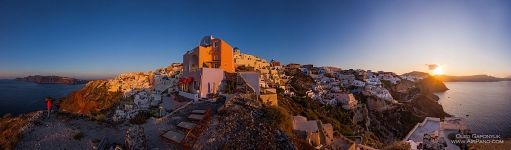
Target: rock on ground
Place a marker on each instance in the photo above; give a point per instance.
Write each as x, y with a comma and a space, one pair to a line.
135, 138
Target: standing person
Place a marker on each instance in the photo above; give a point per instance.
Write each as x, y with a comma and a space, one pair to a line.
49, 103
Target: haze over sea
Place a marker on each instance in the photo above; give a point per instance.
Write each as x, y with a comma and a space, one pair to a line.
20, 97
487, 105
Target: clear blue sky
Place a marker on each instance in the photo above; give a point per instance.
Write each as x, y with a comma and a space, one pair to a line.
98, 39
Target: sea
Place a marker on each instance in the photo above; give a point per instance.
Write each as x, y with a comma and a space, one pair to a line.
486, 106
21, 96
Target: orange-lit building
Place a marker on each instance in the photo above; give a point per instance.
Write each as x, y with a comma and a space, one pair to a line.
204, 67
211, 53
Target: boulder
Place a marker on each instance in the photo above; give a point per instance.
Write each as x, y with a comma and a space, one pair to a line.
135, 139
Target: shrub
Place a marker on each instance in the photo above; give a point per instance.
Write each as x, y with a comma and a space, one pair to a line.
78, 135
452, 136
140, 118
279, 118
280, 90
386, 84
100, 117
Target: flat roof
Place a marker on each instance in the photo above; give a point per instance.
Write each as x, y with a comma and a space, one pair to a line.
426, 127
300, 123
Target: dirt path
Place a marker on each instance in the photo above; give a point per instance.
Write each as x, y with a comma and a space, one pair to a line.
63, 133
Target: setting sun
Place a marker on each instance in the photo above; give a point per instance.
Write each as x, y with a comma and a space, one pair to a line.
438, 71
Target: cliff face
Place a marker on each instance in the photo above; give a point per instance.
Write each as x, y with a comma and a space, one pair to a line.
419, 102
52, 80
404, 91
427, 103
94, 97
432, 85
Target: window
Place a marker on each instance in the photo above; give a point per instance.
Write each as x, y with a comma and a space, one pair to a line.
215, 44
216, 57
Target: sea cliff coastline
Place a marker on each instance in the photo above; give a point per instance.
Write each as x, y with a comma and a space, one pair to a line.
51, 80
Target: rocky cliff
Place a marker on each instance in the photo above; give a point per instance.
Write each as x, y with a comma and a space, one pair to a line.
432, 85
123, 96
299, 81
244, 123
92, 98
52, 80
418, 102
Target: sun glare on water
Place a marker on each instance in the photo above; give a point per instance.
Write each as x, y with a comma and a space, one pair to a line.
438, 71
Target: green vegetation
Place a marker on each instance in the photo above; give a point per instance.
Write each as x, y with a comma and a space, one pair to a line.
313, 110
229, 86
100, 117
140, 118
451, 136
278, 117
386, 84
408, 121
78, 135
280, 90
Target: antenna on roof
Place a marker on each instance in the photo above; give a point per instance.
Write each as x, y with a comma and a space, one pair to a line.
206, 41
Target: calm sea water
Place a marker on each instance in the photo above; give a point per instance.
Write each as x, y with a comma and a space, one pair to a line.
19, 97
487, 104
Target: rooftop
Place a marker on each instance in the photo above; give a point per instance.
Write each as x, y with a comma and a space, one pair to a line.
300, 123
427, 126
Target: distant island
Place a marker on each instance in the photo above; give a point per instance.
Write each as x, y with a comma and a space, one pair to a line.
52, 80
472, 78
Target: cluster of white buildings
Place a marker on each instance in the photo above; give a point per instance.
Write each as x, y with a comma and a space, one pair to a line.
414, 76
242, 59
276, 77
327, 90
144, 89
271, 73
128, 83
335, 86
378, 91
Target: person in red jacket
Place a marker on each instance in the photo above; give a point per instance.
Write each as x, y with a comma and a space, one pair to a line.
49, 104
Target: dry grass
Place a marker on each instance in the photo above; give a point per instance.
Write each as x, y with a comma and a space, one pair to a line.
278, 117
11, 129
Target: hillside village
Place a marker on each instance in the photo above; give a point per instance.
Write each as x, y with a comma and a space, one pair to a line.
219, 96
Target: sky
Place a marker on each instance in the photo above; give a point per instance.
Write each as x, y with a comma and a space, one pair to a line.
97, 39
